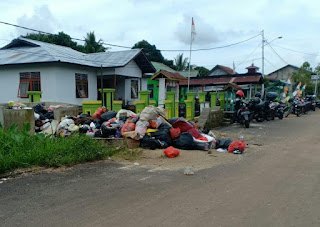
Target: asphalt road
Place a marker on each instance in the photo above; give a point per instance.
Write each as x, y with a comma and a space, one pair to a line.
275, 184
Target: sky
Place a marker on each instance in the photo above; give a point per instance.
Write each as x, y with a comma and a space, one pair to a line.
167, 24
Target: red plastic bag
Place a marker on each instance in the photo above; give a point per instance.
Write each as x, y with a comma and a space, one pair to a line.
175, 133
153, 124
238, 144
99, 112
171, 152
128, 127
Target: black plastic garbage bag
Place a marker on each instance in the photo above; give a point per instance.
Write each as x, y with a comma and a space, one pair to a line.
107, 116
223, 143
172, 120
84, 115
49, 115
201, 145
107, 131
39, 109
150, 143
97, 123
184, 141
163, 134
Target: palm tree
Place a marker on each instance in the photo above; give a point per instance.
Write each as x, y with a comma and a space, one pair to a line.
93, 46
181, 63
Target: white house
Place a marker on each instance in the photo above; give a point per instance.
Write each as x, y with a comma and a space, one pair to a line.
66, 75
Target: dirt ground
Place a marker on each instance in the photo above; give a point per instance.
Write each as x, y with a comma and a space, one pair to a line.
191, 159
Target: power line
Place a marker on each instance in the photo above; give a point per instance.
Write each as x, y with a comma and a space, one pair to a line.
218, 47
277, 53
270, 62
300, 52
249, 55
115, 45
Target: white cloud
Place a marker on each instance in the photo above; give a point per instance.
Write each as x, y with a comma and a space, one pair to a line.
41, 19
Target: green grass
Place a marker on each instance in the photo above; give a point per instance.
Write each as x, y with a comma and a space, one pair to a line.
18, 149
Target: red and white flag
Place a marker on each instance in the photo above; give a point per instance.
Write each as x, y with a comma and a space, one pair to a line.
193, 31
234, 68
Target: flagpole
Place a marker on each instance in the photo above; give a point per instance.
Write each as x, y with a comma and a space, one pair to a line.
190, 62
191, 39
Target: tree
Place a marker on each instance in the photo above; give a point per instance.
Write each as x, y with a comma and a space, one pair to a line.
61, 38
151, 51
203, 71
181, 63
304, 76
93, 46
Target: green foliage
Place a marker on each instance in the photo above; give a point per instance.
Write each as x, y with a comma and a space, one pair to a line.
63, 39
151, 51
181, 63
93, 46
304, 76
203, 71
19, 149
266, 82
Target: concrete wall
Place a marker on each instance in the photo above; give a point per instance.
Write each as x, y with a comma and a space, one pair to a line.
215, 119
130, 70
18, 117
284, 74
57, 82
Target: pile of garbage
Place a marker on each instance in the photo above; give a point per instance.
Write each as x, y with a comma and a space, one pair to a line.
150, 127
17, 105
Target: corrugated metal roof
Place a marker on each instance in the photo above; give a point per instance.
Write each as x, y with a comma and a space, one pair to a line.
160, 66
223, 80
207, 81
169, 75
193, 73
22, 50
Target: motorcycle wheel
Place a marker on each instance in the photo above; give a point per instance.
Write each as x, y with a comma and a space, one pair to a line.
247, 123
259, 119
298, 113
287, 113
281, 116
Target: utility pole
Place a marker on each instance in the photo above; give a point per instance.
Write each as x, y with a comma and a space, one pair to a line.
316, 85
262, 69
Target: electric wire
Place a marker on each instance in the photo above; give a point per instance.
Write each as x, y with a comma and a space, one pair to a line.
115, 45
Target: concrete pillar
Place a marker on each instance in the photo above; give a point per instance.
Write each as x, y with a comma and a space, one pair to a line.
107, 95
34, 96
162, 91
213, 99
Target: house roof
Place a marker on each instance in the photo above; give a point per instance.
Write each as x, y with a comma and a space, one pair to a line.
26, 51
289, 65
252, 67
224, 80
272, 79
226, 69
232, 85
160, 66
193, 73
170, 75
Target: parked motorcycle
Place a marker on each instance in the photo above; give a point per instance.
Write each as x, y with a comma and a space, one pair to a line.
256, 109
241, 113
296, 107
312, 102
277, 109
